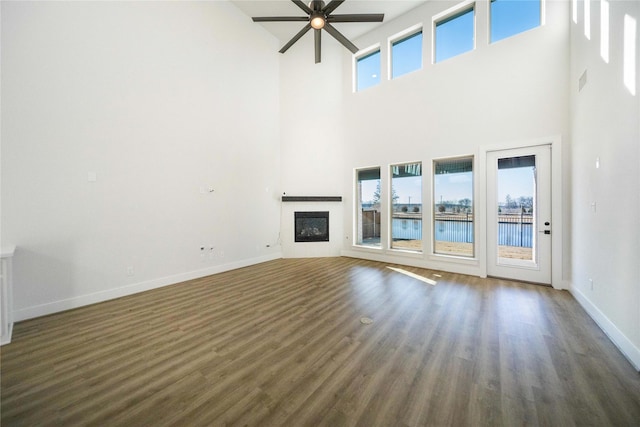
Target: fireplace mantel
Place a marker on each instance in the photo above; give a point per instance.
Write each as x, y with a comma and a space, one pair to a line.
311, 198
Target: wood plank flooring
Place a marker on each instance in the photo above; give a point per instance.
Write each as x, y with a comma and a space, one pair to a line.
281, 343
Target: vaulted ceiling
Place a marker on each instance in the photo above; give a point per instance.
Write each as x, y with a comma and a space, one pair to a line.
284, 31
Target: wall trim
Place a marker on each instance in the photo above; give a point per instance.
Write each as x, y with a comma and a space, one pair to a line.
88, 299
619, 339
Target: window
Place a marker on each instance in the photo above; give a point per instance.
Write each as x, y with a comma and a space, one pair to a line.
629, 54
454, 34
368, 70
406, 54
574, 10
406, 206
587, 19
368, 207
453, 228
511, 17
604, 30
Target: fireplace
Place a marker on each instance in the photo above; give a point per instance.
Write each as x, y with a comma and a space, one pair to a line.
312, 226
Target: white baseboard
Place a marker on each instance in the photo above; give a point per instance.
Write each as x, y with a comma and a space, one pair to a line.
82, 300
6, 339
628, 349
413, 259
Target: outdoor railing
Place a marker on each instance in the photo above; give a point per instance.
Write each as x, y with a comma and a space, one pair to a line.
513, 230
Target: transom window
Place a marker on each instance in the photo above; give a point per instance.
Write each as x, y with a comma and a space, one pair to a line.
368, 70
455, 33
511, 17
406, 54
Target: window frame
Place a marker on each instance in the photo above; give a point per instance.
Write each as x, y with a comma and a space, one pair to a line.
362, 54
357, 208
542, 9
474, 205
449, 15
389, 210
400, 37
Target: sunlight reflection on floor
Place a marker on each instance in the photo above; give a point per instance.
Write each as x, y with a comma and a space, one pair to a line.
414, 275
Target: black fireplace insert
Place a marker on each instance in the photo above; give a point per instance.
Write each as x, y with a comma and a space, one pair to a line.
312, 226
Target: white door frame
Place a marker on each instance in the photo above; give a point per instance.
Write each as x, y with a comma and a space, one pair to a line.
556, 203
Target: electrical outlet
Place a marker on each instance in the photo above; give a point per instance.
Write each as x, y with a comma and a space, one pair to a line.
590, 284
130, 271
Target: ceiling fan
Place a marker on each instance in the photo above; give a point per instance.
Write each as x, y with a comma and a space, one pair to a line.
319, 18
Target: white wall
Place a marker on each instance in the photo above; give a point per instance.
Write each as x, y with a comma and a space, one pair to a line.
606, 125
158, 100
312, 139
504, 93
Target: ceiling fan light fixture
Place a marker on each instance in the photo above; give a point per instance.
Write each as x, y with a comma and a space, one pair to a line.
319, 17
317, 21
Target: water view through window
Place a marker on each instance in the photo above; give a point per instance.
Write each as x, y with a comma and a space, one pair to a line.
453, 207
516, 204
406, 203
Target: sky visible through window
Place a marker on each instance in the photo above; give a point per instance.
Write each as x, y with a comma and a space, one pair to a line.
408, 188
510, 17
515, 183
368, 70
454, 35
407, 55
453, 187
457, 186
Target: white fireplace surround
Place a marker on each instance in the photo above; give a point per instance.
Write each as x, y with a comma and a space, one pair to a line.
292, 249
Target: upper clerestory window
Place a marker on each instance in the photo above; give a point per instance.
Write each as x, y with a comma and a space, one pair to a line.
454, 32
367, 70
511, 17
406, 53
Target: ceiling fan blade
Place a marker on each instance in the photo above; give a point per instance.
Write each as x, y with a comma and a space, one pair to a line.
317, 41
280, 18
363, 17
332, 6
342, 39
295, 38
303, 6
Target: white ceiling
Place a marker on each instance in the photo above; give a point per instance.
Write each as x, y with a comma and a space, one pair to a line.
284, 31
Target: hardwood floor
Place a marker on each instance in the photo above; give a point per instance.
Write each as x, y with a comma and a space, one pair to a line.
282, 343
